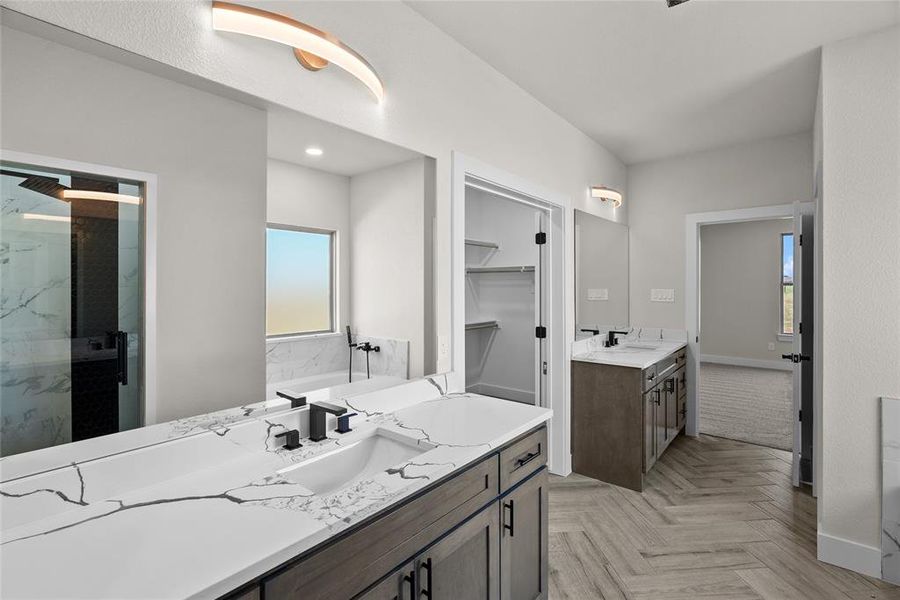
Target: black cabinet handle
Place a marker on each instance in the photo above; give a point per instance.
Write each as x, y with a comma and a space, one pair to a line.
521, 462
411, 580
426, 591
511, 505
670, 384
658, 400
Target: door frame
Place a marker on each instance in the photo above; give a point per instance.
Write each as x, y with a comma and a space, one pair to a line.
693, 222
560, 333
149, 391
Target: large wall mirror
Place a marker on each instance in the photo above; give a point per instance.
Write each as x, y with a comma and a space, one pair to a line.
601, 275
176, 255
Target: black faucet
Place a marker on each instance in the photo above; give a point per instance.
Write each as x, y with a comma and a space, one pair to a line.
611, 339
591, 331
291, 439
368, 347
296, 401
343, 425
317, 412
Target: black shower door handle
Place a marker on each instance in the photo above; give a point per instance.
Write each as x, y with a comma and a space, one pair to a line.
122, 356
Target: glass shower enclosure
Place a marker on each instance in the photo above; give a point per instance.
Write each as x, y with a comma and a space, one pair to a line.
71, 306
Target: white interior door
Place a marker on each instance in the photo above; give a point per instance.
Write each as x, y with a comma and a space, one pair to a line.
796, 343
540, 316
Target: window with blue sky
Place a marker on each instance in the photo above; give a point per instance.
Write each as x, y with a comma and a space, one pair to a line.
787, 283
299, 293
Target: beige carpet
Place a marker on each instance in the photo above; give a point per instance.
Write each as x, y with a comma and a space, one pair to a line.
746, 404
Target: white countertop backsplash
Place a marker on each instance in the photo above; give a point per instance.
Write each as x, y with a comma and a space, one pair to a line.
199, 515
641, 348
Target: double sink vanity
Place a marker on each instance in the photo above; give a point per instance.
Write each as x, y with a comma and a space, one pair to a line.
426, 495
628, 405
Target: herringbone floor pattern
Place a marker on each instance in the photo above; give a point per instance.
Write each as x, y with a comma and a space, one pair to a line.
718, 519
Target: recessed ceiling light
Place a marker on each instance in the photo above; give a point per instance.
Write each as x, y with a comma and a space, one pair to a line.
313, 151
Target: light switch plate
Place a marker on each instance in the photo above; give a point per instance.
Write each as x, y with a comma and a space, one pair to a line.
596, 294
662, 295
771, 345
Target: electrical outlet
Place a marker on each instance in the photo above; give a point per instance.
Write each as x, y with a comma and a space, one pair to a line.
771, 345
443, 346
598, 294
662, 295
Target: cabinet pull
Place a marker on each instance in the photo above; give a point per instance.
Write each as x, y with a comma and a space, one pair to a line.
657, 401
511, 505
426, 593
410, 578
670, 384
521, 462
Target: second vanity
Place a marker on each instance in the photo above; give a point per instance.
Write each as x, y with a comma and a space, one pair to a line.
628, 405
429, 495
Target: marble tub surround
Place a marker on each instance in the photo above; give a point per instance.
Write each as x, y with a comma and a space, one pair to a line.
231, 512
890, 489
293, 358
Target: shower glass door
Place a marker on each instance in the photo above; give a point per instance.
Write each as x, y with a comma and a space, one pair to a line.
70, 306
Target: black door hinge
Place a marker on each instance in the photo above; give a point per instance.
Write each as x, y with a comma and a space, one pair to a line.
800, 416
540, 238
540, 332
800, 328
800, 240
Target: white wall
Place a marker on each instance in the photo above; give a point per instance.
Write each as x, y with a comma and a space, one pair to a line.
305, 197
211, 202
429, 77
860, 278
740, 289
387, 260
661, 193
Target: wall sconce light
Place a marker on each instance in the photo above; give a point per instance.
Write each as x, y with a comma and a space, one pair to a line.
607, 195
313, 48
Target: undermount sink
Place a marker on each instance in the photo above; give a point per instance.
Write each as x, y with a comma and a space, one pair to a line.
354, 462
631, 348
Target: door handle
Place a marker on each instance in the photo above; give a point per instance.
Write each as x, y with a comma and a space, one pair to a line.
426, 593
795, 358
511, 505
122, 356
410, 578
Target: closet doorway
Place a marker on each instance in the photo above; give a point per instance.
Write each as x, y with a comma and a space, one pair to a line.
505, 287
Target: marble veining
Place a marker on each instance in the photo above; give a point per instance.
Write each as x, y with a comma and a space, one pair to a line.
890, 500
192, 497
648, 345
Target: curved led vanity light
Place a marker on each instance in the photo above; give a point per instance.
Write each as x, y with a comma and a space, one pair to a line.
607, 195
313, 48
105, 196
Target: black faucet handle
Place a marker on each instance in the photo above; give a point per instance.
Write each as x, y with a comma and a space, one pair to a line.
291, 439
329, 408
343, 425
296, 401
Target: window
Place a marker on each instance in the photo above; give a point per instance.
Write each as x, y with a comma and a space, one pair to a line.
299, 281
787, 283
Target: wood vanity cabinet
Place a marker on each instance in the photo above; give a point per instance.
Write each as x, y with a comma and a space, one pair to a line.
624, 418
444, 542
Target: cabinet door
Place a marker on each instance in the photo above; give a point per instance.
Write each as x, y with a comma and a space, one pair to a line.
671, 409
399, 585
465, 565
524, 540
649, 430
662, 434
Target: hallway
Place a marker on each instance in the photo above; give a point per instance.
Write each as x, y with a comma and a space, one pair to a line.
718, 519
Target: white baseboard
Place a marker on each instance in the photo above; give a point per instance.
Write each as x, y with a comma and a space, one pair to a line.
849, 555
778, 365
499, 391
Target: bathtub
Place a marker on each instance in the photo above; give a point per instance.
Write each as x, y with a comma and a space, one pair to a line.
325, 386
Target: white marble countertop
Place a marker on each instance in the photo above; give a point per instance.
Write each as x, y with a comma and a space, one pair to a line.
200, 515
639, 354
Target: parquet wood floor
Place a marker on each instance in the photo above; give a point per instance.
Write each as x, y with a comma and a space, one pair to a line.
718, 519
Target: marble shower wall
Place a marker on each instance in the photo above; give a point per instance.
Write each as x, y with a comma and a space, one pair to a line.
890, 499
35, 315
295, 358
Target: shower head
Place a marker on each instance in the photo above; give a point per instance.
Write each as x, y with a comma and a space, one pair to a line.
349, 338
48, 186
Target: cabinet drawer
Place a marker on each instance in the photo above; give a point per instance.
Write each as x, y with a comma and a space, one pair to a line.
681, 382
352, 563
522, 458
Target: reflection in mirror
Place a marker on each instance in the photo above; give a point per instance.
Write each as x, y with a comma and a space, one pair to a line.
256, 208
601, 275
